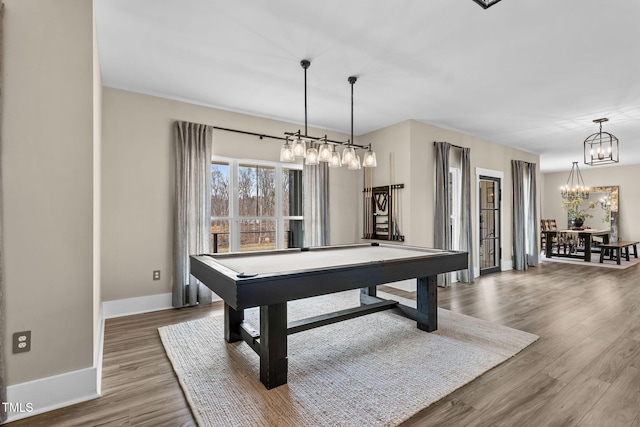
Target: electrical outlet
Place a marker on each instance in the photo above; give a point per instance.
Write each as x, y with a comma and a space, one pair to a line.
156, 274
22, 342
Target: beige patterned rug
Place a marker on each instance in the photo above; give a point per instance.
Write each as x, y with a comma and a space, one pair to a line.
376, 370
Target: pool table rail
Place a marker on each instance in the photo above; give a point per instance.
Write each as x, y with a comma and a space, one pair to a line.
267, 289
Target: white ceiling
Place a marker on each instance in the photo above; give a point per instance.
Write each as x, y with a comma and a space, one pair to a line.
531, 74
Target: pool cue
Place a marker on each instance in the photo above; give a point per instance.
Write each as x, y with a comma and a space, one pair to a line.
372, 218
391, 217
398, 212
365, 208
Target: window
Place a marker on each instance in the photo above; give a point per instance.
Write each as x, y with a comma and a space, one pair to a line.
255, 205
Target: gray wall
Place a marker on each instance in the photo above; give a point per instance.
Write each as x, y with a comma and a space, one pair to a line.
49, 142
410, 145
138, 184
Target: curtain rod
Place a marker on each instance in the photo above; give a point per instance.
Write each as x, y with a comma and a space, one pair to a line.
453, 145
262, 136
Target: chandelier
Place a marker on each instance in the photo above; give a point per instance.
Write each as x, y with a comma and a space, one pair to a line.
601, 147
486, 3
575, 185
295, 144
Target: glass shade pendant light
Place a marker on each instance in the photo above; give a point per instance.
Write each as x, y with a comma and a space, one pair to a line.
286, 152
300, 148
348, 155
335, 161
369, 160
315, 150
354, 165
312, 157
324, 152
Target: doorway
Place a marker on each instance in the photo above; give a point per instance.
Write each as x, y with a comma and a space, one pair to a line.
489, 197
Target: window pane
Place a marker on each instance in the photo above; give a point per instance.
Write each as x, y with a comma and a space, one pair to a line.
291, 192
219, 236
256, 190
257, 235
219, 189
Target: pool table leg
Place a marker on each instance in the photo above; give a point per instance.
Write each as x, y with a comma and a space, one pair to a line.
232, 321
273, 345
369, 291
427, 302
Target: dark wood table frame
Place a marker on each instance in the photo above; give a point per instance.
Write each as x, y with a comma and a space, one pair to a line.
587, 235
616, 249
271, 292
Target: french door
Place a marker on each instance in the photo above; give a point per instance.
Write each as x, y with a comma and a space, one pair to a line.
489, 194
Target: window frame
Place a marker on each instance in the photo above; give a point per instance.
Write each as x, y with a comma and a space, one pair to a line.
234, 217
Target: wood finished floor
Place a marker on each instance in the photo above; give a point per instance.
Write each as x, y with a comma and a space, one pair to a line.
584, 370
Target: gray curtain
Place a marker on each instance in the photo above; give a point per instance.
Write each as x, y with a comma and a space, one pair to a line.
518, 222
442, 214
192, 209
533, 250
525, 253
3, 385
315, 191
466, 234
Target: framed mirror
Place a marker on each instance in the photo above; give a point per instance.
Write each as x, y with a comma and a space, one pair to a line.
605, 213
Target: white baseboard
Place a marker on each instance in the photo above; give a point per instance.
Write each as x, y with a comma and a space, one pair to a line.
58, 391
507, 265
129, 306
99, 346
138, 305
46, 394
55, 392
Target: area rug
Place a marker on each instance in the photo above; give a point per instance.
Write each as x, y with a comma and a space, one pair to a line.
595, 261
375, 370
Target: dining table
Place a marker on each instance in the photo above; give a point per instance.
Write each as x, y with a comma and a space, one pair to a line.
586, 235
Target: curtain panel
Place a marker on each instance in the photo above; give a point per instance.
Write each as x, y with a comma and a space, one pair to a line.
533, 250
518, 221
466, 232
525, 241
316, 204
192, 209
442, 214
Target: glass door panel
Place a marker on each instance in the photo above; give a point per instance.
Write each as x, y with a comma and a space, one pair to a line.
490, 250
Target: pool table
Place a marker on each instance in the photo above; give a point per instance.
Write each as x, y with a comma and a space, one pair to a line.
269, 279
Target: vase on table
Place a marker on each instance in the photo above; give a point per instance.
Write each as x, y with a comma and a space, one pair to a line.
577, 223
